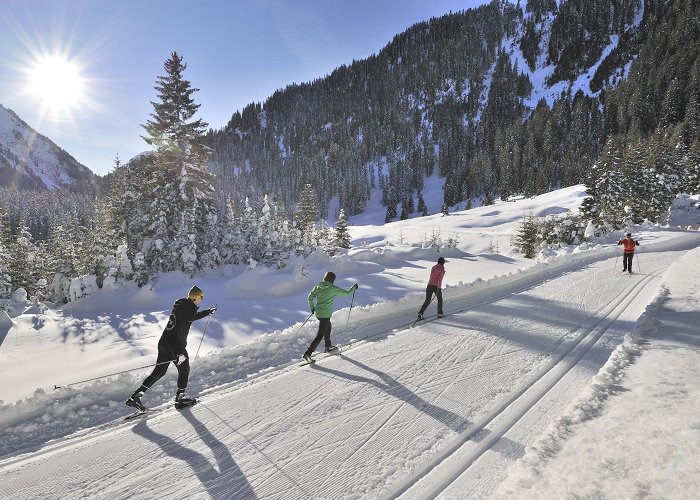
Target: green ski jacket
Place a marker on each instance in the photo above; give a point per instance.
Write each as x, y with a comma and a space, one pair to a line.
322, 296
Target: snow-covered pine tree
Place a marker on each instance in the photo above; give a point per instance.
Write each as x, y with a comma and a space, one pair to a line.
286, 240
306, 214
119, 222
97, 254
61, 263
181, 158
608, 188
404, 209
231, 247
5, 254
640, 186
342, 235
249, 232
24, 255
268, 237
422, 208
527, 236
692, 165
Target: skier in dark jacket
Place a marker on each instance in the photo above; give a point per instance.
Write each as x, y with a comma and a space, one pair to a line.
434, 287
321, 300
628, 252
172, 348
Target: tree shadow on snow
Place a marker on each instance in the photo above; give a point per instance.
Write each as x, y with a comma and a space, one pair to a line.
226, 480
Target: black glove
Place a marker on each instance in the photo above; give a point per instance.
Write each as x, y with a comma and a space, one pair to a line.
212, 309
313, 310
354, 287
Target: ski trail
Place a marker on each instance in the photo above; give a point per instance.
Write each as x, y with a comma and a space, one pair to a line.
401, 413
511, 409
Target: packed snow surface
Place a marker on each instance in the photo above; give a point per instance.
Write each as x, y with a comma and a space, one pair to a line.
554, 378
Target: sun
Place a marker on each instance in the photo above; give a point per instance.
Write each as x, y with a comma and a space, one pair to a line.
57, 83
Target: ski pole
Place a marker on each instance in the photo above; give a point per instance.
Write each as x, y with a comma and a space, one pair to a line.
290, 338
111, 374
351, 302
200, 340
431, 301
638, 268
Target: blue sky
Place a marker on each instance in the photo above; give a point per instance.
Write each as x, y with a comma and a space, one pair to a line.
236, 52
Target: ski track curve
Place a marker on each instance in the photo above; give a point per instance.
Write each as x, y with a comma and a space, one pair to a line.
401, 413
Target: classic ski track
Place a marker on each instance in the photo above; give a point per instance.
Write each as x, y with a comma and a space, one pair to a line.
401, 404
368, 438
583, 341
467, 300
469, 303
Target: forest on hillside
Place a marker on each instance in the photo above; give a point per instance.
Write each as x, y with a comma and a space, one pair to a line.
446, 97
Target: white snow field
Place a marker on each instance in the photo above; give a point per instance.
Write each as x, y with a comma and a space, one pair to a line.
562, 379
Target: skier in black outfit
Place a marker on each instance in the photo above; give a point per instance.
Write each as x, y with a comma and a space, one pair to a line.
172, 347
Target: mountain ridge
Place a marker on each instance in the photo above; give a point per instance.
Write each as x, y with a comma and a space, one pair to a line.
30, 160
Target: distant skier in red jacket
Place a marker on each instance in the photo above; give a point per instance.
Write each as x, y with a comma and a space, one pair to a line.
434, 287
628, 252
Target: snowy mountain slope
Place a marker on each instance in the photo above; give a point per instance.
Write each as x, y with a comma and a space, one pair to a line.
441, 409
30, 160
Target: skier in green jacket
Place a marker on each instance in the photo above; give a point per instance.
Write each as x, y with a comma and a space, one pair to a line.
321, 300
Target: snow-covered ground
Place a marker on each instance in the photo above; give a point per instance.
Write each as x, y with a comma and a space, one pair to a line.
560, 379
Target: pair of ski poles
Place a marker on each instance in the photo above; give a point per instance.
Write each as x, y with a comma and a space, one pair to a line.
294, 335
639, 268
140, 367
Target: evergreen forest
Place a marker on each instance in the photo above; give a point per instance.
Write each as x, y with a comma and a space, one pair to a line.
454, 97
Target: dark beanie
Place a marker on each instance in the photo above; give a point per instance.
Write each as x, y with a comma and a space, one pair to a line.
441, 261
329, 277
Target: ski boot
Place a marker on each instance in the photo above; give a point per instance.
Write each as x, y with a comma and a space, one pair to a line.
331, 348
182, 401
135, 401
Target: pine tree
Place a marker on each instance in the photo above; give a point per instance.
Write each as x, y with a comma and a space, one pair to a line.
183, 202
24, 255
608, 186
5, 254
342, 235
306, 214
268, 236
422, 208
526, 238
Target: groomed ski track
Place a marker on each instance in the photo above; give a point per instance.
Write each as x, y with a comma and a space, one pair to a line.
437, 411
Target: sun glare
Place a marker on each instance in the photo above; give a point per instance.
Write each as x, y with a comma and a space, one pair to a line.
56, 82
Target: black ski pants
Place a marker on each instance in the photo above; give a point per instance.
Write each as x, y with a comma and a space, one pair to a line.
429, 291
627, 261
324, 332
165, 354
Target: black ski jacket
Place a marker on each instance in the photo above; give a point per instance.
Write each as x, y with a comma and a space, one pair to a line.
181, 318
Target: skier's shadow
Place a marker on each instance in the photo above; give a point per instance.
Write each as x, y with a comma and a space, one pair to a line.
391, 386
226, 482
455, 422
